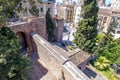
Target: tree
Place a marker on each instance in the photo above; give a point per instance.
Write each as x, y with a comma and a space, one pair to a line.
9, 7
33, 8
99, 37
102, 63
86, 33
50, 26
13, 65
108, 46
12, 7
118, 61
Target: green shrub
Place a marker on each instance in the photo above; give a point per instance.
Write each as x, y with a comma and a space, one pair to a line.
99, 37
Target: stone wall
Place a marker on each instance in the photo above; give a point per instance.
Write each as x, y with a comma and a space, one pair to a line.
38, 25
56, 62
28, 25
58, 32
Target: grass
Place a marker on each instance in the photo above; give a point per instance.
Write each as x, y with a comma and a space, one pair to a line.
110, 75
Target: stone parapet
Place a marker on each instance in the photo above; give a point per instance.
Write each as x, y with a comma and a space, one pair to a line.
56, 62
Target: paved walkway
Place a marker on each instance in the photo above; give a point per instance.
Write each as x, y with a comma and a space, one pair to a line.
39, 72
69, 34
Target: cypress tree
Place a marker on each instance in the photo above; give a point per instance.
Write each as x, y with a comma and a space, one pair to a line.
50, 26
86, 33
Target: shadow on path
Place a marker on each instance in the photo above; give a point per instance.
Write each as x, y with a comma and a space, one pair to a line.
38, 70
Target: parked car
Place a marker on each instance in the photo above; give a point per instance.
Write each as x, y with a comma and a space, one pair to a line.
65, 29
116, 33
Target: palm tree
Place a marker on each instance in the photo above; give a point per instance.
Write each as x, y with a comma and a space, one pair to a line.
102, 63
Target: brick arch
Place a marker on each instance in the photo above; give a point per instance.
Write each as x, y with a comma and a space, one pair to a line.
27, 26
23, 41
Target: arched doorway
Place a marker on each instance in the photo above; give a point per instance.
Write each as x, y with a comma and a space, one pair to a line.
22, 41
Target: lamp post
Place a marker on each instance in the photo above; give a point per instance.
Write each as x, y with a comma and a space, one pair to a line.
68, 35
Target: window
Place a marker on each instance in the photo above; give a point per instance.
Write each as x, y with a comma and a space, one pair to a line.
48, 9
41, 9
78, 14
118, 26
113, 31
25, 10
105, 19
118, 32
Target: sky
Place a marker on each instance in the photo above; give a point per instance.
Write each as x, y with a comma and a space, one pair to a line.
58, 0
107, 1
61, 0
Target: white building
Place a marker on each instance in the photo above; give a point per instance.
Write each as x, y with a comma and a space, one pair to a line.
43, 7
115, 4
70, 11
66, 11
101, 2
77, 15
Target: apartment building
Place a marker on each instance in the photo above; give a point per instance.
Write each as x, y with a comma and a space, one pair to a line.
104, 18
77, 14
66, 10
70, 11
105, 15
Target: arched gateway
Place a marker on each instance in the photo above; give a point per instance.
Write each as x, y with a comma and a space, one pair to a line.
22, 41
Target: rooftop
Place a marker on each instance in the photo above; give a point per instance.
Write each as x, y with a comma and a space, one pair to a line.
49, 1
105, 10
78, 56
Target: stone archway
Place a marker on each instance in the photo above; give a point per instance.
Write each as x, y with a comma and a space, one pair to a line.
22, 41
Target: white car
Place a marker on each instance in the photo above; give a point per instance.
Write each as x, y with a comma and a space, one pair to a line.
116, 33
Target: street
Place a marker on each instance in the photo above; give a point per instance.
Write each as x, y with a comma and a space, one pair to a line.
69, 32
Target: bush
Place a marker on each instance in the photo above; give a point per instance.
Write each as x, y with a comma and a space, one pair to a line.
99, 37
